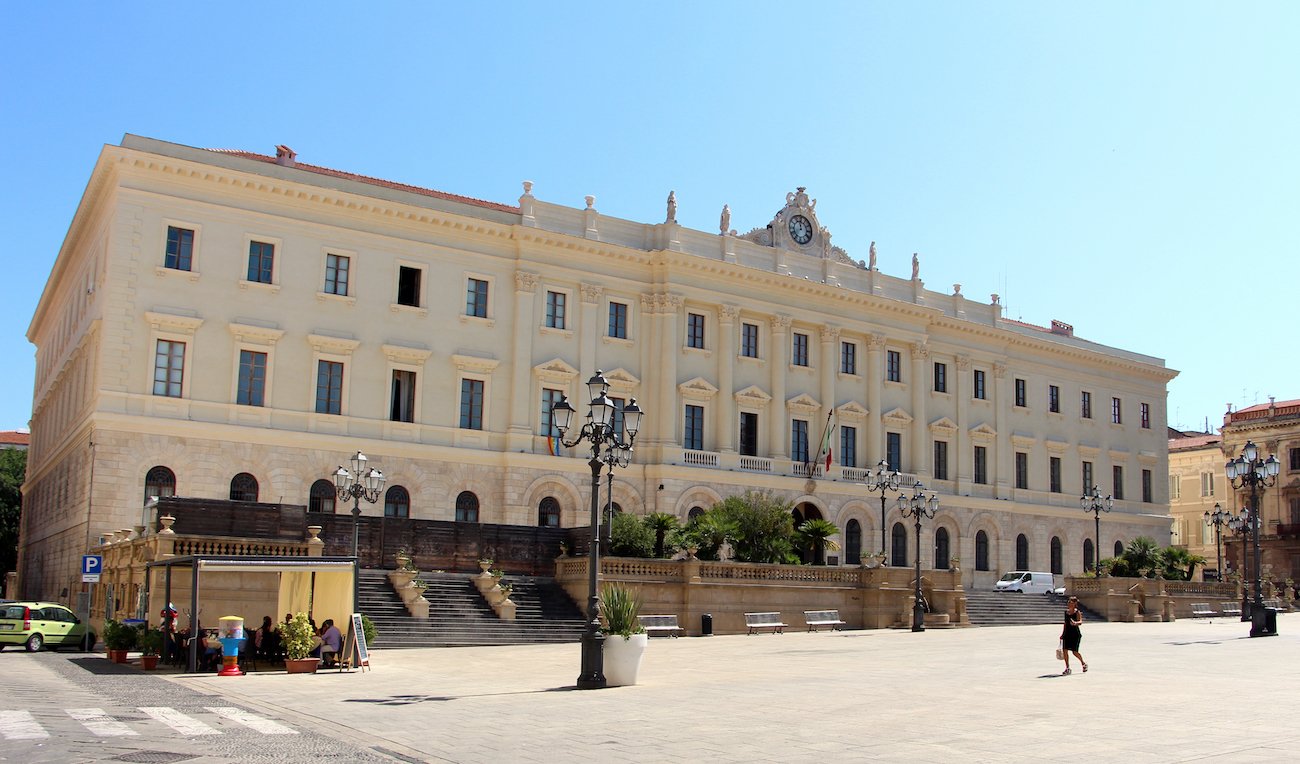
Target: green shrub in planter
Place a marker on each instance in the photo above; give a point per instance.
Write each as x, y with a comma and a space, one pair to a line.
368, 628
297, 637
118, 636
150, 640
621, 606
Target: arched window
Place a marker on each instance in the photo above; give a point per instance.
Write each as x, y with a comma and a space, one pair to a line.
981, 551
1119, 547
1057, 568
243, 487
159, 481
797, 516
694, 513
466, 507
548, 513
1022, 552
853, 543
899, 557
1088, 562
941, 549
322, 497
397, 502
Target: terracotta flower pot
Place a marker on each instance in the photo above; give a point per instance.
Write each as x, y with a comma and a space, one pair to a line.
301, 665
149, 662
117, 656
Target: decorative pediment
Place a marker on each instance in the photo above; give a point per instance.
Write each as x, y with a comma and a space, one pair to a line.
327, 343
555, 370
622, 380
752, 396
1020, 440
897, 418
1056, 446
1148, 457
408, 354
803, 404
943, 426
698, 389
475, 364
172, 322
1117, 455
254, 335
982, 432
852, 412
1088, 452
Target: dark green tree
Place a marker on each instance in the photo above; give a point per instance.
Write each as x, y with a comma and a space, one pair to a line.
707, 533
630, 537
764, 528
815, 536
13, 470
662, 524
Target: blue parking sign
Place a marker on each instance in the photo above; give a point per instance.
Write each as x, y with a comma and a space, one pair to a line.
91, 566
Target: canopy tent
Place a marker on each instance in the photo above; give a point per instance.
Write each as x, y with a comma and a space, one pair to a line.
306, 584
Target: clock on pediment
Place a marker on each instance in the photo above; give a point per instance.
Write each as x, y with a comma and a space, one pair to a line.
796, 228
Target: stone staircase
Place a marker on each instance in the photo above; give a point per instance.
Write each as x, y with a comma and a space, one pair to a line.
460, 616
990, 608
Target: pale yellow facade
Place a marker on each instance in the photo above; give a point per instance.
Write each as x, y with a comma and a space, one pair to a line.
1274, 428
1197, 483
728, 341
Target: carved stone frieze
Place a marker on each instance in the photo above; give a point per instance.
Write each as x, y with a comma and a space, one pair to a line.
526, 281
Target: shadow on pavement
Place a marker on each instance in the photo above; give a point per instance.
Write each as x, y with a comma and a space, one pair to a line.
407, 700
103, 666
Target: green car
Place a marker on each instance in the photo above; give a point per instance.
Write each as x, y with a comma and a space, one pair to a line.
39, 624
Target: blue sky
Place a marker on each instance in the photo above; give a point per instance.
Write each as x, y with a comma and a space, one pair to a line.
1128, 168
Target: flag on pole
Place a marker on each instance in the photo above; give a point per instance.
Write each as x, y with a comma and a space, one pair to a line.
825, 449
553, 445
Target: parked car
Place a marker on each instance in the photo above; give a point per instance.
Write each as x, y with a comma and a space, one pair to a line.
39, 624
1025, 581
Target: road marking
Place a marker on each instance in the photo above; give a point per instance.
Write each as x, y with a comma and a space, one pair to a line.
259, 723
20, 725
179, 721
100, 723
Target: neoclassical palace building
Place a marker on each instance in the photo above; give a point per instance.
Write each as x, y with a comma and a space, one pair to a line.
232, 325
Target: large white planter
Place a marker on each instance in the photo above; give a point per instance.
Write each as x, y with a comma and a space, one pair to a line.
623, 658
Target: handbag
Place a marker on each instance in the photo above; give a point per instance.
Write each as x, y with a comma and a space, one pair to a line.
1060, 650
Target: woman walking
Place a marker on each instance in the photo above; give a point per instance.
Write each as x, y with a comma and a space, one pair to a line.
1071, 634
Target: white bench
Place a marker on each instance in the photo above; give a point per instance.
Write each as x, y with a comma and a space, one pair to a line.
1230, 608
818, 618
764, 621
1202, 610
660, 624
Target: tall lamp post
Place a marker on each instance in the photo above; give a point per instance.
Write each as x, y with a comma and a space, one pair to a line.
1250, 471
1096, 504
607, 448
1239, 524
1219, 519
360, 483
884, 480
918, 506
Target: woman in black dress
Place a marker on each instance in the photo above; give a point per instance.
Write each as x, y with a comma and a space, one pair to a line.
1071, 635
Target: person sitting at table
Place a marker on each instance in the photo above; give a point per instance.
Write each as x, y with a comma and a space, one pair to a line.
331, 642
266, 640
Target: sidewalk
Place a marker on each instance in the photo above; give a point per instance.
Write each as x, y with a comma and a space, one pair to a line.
1155, 692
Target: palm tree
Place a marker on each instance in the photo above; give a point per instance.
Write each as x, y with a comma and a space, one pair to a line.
707, 533
816, 534
662, 524
1179, 564
1143, 556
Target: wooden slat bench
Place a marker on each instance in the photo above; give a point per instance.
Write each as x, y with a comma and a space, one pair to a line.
818, 618
660, 624
764, 621
1202, 610
1230, 608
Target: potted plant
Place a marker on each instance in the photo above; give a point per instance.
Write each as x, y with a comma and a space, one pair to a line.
151, 642
297, 638
625, 637
118, 640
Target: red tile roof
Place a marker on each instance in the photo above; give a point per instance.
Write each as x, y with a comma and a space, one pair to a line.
1265, 410
372, 181
1192, 442
15, 438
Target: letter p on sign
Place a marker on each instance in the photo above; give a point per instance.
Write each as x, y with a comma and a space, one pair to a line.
91, 566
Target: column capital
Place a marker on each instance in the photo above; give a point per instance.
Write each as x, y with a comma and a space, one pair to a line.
920, 351
526, 281
728, 313
781, 323
830, 333
591, 293
875, 342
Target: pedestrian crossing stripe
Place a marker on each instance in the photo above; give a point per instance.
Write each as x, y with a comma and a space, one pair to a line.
22, 725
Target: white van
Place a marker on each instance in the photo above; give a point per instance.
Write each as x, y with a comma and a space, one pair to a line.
1025, 581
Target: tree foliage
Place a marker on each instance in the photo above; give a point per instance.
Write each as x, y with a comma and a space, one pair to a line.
1143, 558
13, 470
629, 536
662, 524
764, 528
814, 537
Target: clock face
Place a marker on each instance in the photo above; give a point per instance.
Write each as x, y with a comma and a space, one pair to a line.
800, 229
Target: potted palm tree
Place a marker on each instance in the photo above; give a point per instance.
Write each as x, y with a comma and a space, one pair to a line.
151, 641
297, 638
625, 637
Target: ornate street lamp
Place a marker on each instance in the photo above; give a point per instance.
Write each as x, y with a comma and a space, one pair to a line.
1251, 471
1239, 524
883, 480
607, 448
360, 483
918, 506
1096, 504
1219, 519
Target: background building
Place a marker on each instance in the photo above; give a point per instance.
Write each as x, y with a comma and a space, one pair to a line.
226, 324
1275, 429
1196, 484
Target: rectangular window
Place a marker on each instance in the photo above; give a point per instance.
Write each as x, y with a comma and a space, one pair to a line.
618, 320
981, 465
555, 310
1114, 411
1294, 459
1207, 483
1086, 404
941, 460
1146, 486
402, 406
1144, 413
848, 446
549, 399
476, 298
693, 438
408, 286
749, 340
336, 274
252, 378
329, 387
261, 261
893, 366
848, 358
800, 352
1054, 399
617, 421
894, 451
941, 377
798, 440
1117, 479
694, 330
979, 385
1088, 482
471, 404
1175, 487
180, 248
1054, 474
1021, 396
168, 368
748, 433
1022, 470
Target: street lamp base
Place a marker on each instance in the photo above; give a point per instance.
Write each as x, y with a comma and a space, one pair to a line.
1259, 618
918, 628
593, 662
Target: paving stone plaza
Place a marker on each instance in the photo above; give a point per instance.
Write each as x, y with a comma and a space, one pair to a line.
1192, 690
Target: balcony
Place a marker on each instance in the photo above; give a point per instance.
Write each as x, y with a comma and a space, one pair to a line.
712, 460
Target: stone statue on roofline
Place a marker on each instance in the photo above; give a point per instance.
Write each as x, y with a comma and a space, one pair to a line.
672, 207
916, 267
871, 264
724, 224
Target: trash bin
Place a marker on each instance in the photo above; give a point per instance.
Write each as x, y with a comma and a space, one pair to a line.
1270, 620
706, 625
